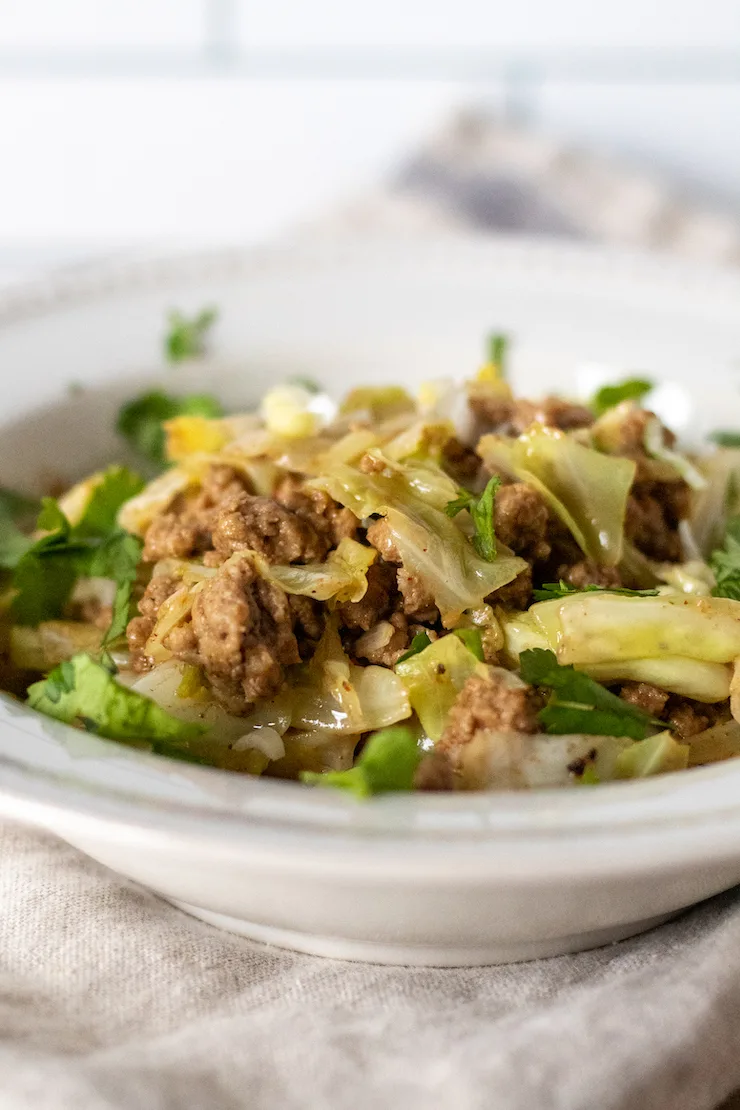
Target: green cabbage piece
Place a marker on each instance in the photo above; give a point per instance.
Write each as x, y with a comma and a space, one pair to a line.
593, 628
586, 489
654, 756
430, 545
331, 694
388, 763
84, 692
343, 576
434, 677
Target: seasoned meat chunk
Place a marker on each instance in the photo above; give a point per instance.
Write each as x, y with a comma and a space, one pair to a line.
460, 461
687, 717
435, 772
379, 601
263, 525
140, 628
184, 530
496, 703
654, 511
509, 417
588, 573
521, 519
418, 603
329, 520
651, 699
516, 594
244, 629
385, 642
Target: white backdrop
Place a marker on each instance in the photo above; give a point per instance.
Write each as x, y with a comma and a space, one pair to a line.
127, 120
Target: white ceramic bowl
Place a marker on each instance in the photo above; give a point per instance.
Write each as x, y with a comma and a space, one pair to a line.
406, 879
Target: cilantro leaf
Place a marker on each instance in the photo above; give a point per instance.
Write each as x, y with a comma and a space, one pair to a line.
118, 486
140, 420
498, 346
118, 558
551, 591
45, 574
420, 641
579, 704
473, 641
83, 692
387, 763
481, 511
632, 389
725, 438
17, 512
725, 563
187, 336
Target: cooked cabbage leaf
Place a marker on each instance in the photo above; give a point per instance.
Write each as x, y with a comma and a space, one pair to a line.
84, 692
434, 677
343, 576
332, 694
578, 704
429, 544
387, 764
655, 755
586, 489
592, 628
656, 446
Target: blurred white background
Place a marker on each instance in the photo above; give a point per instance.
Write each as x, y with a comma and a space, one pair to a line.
123, 121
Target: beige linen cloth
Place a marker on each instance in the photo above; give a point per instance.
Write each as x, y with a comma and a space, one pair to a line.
113, 1000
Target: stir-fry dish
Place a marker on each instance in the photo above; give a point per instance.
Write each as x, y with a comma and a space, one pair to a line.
456, 590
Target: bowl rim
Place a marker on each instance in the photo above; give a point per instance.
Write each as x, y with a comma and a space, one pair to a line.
698, 796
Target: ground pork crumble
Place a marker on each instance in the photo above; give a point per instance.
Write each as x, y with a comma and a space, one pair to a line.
244, 632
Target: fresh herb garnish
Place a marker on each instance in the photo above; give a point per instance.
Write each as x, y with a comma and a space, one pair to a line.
95, 547
550, 591
388, 762
17, 514
473, 641
725, 438
632, 389
498, 346
725, 562
309, 384
481, 511
419, 642
579, 704
187, 336
84, 692
141, 421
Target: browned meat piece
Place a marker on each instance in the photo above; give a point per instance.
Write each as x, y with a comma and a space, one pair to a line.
329, 520
185, 528
379, 601
651, 699
262, 525
244, 630
140, 628
308, 623
434, 772
687, 717
418, 603
588, 573
386, 649
460, 461
509, 417
521, 519
493, 704
654, 511
516, 594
